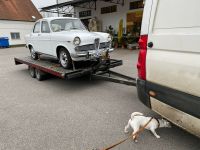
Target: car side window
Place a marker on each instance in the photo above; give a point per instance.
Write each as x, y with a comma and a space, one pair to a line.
45, 27
36, 28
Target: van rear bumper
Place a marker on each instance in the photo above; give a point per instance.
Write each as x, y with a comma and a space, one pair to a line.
187, 103
143, 92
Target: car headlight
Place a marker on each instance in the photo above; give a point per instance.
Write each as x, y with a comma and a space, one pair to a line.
77, 41
109, 38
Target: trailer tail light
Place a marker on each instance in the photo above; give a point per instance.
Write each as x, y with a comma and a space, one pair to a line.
141, 65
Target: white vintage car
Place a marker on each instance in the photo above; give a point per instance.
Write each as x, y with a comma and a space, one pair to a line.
68, 40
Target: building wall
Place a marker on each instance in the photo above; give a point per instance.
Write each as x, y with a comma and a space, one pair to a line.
110, 18
6, 27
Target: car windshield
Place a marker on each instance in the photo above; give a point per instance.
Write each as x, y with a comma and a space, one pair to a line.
58, 25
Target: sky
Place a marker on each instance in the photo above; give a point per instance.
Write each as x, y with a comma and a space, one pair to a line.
43, 3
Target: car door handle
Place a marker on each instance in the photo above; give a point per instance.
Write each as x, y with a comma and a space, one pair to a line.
39, 34
150, 44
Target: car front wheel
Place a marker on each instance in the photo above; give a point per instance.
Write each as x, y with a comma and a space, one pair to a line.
34, 55
64, 58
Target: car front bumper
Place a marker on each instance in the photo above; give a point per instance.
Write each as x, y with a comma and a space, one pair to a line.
90, 55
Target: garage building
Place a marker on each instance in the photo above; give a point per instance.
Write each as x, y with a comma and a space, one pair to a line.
107, 12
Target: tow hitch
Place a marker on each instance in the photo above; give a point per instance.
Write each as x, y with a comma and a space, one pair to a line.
115, 77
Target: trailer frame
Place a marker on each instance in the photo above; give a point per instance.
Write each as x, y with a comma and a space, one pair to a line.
97, 70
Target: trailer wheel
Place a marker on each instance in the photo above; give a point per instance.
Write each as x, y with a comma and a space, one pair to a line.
39, 74
32, 71
34, 55
65, 58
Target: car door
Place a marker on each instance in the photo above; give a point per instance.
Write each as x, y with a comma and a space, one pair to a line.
45, 39
34, 36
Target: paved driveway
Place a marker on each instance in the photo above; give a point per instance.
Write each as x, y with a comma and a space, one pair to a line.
74, 115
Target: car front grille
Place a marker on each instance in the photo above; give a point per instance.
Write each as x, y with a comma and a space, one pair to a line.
93, 47
86, 47
104, 45
96, 43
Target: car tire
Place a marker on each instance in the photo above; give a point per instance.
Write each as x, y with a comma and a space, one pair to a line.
65, 58
34, 55
32, 71
39, 75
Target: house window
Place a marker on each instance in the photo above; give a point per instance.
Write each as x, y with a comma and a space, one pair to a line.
109, 9
136, 5
85, 13
15, 35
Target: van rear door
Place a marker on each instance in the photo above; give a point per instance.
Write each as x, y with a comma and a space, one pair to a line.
172, 85
174, 59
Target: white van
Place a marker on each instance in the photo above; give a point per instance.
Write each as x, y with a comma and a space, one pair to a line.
169, 61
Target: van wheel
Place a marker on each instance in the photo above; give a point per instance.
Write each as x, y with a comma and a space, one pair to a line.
34, 55
32, 71
65, 58
39, 74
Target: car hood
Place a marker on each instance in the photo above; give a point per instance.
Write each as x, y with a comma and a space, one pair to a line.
85, 36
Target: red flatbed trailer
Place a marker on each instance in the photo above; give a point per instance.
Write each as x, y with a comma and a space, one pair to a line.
97, 70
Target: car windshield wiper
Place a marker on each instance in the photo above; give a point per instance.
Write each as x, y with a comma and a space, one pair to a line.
74, 28
70, 29
62, 29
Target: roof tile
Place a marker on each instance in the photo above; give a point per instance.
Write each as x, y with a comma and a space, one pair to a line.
19, 10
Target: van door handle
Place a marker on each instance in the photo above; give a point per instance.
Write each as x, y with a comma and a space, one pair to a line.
150, 44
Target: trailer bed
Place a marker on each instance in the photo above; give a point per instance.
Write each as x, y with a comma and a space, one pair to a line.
53, 67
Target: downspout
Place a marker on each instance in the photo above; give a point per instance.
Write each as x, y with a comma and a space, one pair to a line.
57, 8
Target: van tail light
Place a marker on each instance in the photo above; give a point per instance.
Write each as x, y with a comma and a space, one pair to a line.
141, 65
